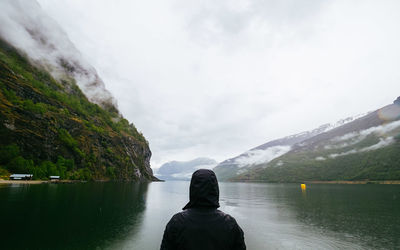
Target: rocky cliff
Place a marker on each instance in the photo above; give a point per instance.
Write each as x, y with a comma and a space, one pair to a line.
49, 127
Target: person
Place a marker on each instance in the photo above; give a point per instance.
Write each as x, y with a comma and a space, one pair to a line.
201, 225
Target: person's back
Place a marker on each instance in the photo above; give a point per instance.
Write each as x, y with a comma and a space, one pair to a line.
201, 225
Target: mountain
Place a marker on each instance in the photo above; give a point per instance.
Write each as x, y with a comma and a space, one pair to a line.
56, 117
183, 170
367, 148
266, 152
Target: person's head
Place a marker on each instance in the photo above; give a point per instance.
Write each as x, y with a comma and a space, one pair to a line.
204, 191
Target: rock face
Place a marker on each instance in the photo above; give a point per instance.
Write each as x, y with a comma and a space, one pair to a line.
49, 127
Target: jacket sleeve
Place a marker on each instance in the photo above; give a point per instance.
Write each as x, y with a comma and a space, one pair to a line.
238, 240
169, 237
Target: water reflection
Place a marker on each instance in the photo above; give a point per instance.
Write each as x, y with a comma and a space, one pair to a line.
70, 216
321, 217
164, 200
365, 213
133, 216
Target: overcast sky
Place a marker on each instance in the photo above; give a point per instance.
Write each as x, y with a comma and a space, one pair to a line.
216, 78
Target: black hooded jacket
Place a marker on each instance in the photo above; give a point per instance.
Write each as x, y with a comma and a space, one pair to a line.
201, 225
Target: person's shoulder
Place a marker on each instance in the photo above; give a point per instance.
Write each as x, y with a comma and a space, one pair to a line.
227, 217
223, 214
233, 226
178, 217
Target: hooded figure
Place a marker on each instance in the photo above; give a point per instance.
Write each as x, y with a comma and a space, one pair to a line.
201, 225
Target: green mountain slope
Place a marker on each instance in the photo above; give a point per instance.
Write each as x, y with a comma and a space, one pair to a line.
266, 152
49, 127
365, 149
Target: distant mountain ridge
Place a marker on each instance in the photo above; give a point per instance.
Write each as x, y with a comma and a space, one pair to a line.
367, 148
361, 147
183, 170
266, 152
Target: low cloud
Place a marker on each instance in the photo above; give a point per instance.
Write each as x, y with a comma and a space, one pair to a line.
27, 27
333, 156
353, 138
383, 142
254, 157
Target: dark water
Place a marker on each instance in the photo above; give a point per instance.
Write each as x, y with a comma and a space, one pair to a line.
133, 216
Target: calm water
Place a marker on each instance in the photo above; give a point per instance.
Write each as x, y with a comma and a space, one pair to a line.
133, 216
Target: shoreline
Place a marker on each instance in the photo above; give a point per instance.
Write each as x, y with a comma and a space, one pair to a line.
22, 181
36, 181
57, 181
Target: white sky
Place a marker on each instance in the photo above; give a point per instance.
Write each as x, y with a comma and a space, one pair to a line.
216, 78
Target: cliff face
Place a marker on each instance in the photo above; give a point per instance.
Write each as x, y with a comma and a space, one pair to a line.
49, 127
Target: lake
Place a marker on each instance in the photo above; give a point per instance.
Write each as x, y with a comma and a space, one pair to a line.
133, 216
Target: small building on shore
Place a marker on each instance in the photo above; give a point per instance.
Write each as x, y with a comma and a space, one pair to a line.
21, 177
54, 177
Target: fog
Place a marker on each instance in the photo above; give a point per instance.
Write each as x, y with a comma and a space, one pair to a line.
356, 137
259, 156
383, 142
349, 139
27, 27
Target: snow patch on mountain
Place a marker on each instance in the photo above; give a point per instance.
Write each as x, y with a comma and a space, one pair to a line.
327, 127
346, 120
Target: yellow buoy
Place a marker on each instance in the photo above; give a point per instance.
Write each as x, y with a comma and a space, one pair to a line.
303, 186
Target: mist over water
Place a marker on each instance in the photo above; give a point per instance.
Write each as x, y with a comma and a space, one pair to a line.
133, 216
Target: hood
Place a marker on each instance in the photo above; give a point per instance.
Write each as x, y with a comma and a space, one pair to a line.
204, 191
